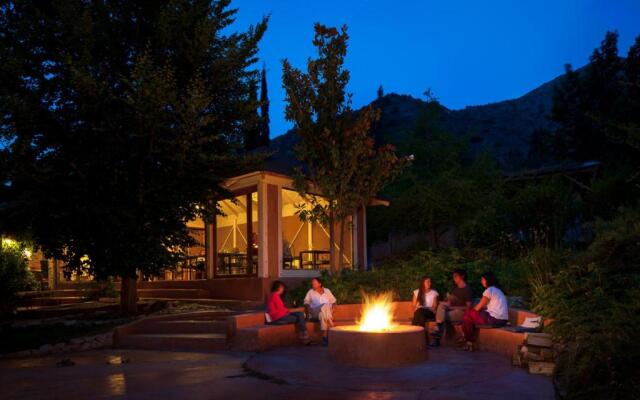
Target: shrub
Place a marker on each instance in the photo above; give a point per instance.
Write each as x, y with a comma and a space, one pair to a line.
595, 306
14, 275
401, 276
102, 288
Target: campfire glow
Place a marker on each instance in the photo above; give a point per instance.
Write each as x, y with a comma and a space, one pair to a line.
377, 313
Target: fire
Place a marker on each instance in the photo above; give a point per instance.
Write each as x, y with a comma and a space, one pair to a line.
377, 312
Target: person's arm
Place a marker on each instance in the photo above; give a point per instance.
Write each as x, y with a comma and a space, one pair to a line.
482, 303
435, 303
332, 298
414, 301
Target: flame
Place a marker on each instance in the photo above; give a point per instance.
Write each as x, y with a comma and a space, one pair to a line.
377, 312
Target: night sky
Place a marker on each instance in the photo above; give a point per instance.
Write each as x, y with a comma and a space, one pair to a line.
468, 52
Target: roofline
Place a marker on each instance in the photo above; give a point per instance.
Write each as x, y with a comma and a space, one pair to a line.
375, 201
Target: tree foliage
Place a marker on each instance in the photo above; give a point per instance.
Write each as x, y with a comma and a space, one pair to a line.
123, 119
594, 303
443, 189
598, 112
341, 162
14, 275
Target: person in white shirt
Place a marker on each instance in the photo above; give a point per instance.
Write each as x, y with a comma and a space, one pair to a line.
319, 304
425, 302
493, 309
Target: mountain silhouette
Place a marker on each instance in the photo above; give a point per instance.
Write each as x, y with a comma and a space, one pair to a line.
502, 129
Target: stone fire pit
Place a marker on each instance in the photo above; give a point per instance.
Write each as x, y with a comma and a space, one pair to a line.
399, 345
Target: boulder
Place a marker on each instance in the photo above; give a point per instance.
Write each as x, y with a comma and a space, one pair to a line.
45, 349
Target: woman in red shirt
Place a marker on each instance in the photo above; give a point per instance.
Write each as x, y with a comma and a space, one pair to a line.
280, 315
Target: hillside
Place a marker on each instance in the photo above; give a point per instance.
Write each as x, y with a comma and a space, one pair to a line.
502, 128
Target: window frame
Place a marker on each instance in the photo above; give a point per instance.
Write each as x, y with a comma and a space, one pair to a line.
247, 191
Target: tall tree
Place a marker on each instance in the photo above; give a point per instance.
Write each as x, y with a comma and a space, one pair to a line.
123, 120
252, 125
597, 110
264, 110
340, 160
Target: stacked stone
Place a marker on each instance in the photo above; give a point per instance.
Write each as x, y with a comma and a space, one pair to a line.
536, 353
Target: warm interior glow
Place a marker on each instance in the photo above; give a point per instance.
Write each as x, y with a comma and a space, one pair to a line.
377, 312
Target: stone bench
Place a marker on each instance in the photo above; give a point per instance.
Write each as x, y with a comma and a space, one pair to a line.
503, 340
249, 332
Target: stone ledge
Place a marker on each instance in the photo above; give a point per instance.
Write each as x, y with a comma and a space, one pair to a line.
74, 345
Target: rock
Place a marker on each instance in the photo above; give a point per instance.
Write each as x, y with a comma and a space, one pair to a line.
76, 347
538, 339
543, 368
45, 349
85, 346
78, 340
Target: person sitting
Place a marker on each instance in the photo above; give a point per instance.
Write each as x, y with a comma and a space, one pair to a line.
452, 310
495, 314
319, 304
425, 302
280, 315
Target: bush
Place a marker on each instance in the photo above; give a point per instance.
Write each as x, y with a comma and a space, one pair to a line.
14, 275
595, 306
401, 276
102, 288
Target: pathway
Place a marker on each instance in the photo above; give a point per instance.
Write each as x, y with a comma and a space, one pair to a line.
292, 373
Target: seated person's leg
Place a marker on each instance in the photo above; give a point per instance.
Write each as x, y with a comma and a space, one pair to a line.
287, 319
418, 318
441, 312
325, 316
468, 324
454, 314
299, 321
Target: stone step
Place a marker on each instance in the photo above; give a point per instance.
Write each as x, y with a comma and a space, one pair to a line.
214, 315
175, 341
54, 300
54, 293
244, 305
186, 326
171, 294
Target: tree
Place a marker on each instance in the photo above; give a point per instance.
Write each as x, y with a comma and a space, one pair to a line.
264, 110
253, 124
380, 92
597, 109
340, 160
123, 119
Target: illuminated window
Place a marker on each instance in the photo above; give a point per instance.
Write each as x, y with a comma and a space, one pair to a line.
306, 246
236, 239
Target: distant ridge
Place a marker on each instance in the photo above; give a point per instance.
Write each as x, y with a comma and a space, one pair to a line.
502, 128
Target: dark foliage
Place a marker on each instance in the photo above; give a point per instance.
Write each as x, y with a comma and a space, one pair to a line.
123, 119
595, 306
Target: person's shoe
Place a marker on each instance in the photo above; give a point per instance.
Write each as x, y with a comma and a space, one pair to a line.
304, 337
325, 341
469, 347
434, 342
437, 332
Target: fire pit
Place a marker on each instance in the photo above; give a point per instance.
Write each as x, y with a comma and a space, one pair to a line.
376, 341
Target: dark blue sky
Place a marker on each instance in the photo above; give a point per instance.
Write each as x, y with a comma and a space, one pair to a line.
468, 52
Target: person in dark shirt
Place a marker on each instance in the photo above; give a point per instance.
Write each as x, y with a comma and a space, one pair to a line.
452, 310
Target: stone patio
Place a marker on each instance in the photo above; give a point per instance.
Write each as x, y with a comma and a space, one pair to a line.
291, 373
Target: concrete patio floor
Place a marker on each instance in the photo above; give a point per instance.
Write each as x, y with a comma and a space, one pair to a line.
292, 373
